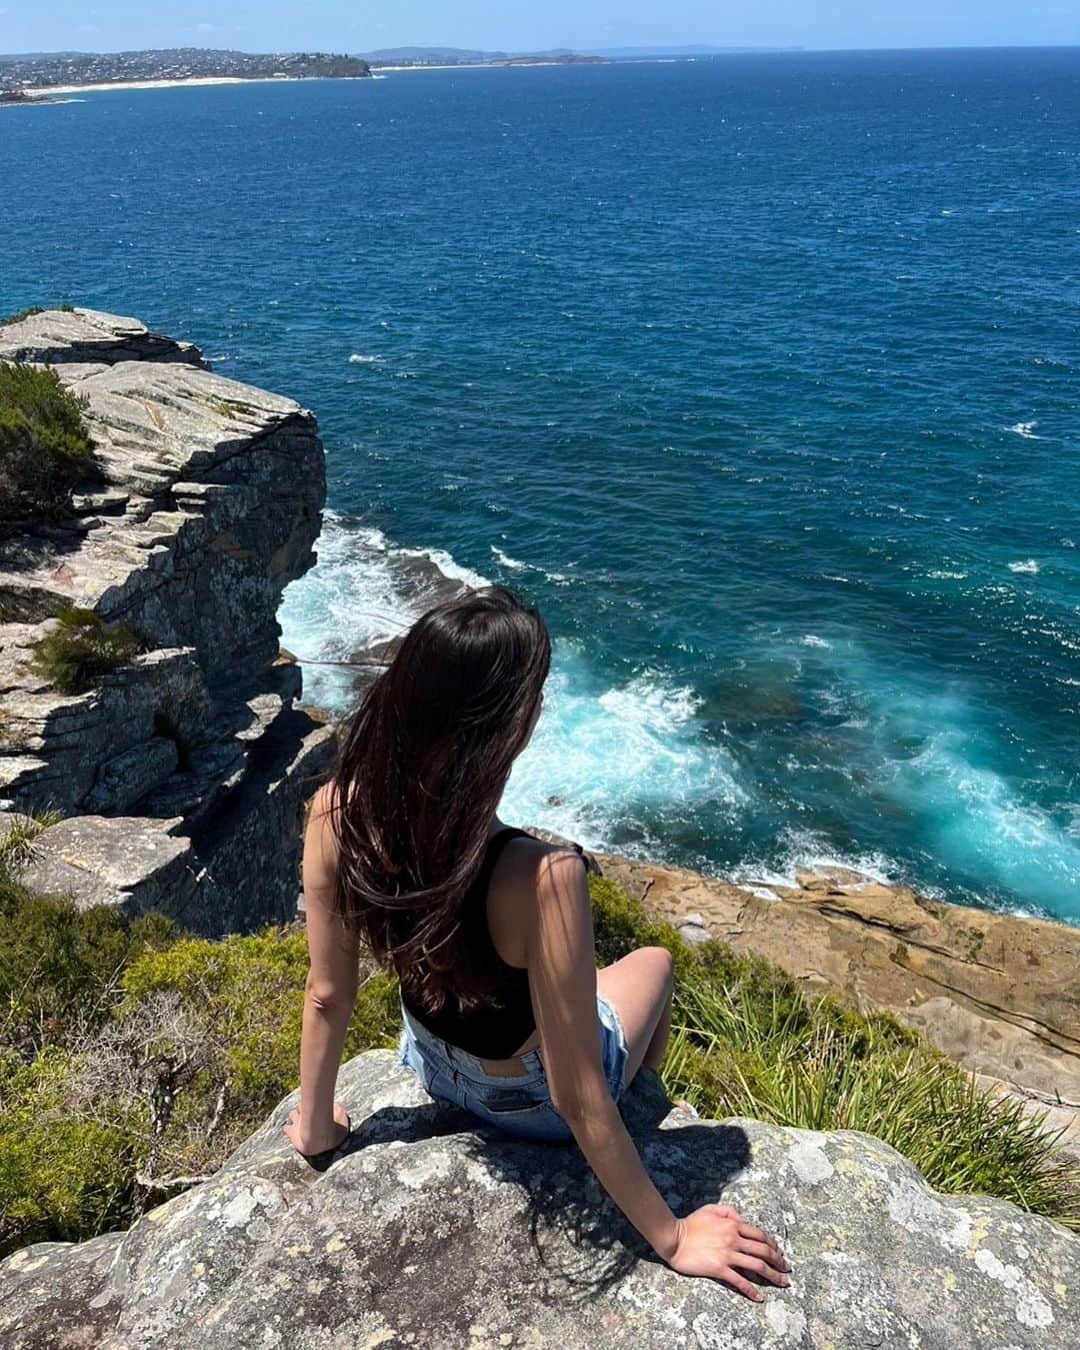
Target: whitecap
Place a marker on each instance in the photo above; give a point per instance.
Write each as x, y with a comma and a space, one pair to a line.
362, 591
812, 640
805, 850
447, 565
1028, 566
504, 560
516, 565
358, 359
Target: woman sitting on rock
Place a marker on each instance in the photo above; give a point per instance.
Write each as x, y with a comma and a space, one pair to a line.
488, 928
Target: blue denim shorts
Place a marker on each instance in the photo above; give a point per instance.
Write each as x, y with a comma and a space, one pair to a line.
522, 1106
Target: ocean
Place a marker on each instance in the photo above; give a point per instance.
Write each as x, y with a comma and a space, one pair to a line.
759, 374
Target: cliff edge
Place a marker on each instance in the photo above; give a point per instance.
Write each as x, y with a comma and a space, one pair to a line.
181, 776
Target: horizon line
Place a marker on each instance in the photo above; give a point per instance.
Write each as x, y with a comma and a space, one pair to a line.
673, 48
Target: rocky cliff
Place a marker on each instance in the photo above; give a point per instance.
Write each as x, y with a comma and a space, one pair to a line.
181, 777
428, 1230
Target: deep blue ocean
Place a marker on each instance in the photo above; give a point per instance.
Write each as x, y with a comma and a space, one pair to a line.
759, 374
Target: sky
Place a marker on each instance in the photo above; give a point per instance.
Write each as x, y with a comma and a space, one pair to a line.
524, 25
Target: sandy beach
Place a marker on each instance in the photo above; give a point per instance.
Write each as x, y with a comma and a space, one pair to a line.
46, 91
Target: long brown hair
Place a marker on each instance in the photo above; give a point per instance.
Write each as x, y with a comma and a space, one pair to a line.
418, 779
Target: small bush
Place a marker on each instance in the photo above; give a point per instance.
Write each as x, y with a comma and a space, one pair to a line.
138, 1057
44, 444
82, 649
250, 991
60, 966
63, 1176
17, 844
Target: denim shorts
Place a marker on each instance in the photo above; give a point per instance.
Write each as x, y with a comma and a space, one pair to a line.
522, 1106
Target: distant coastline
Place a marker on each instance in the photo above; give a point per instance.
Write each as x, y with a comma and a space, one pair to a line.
42, 93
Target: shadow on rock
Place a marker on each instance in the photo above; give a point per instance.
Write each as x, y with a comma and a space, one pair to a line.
581, 1241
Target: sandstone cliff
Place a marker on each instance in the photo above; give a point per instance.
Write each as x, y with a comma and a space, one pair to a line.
430, 1231
181, 779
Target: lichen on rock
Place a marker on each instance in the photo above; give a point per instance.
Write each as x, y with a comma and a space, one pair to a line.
430, 1230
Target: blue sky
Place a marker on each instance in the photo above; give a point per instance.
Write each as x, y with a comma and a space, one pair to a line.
522, 25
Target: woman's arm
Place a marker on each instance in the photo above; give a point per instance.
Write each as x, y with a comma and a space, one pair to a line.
330, 993
562, 978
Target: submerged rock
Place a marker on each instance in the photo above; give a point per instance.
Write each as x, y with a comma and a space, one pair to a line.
429, 1230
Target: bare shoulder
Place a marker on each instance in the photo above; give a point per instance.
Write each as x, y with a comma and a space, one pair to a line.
533, 878
547, 869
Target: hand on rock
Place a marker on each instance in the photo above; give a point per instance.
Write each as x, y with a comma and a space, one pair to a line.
715, 1241
311, 1141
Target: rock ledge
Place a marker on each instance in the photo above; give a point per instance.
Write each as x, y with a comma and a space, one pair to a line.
427, 1231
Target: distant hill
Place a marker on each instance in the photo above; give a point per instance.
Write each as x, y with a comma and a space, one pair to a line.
464, 56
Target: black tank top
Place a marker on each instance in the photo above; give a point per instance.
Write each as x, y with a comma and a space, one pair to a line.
497, 1031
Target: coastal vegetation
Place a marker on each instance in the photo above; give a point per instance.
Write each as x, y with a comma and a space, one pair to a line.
81, 649
45, 447
46, 70
135, 1057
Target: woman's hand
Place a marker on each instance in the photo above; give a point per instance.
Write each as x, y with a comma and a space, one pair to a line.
715, 1239
310, 1140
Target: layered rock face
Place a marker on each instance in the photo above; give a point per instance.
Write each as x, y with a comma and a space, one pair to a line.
430, 1230
998, 993
181, 777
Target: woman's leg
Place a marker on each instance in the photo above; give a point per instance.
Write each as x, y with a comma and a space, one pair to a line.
639, 988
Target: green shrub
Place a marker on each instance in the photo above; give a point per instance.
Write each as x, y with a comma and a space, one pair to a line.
44, 445
63, 1176
748, 1041
108, 1014
250, 992
60, 966
82, 649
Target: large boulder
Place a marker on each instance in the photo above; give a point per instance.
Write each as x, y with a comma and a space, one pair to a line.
431, 1231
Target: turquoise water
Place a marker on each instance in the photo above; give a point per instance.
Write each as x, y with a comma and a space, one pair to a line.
761, 375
